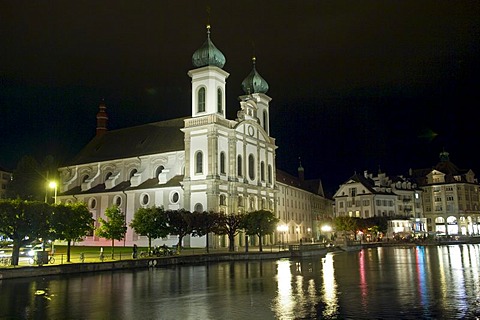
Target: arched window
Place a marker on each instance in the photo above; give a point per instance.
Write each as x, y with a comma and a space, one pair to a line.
85, 178
108, 175
223, 200
262, 171
239, 166
199, 162
240, 201
219, 101
222, 162
198, 207
251, 167
201, 100
270, 174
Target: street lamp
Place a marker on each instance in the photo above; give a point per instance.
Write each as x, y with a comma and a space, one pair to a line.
53, 185
325, 229
282, 229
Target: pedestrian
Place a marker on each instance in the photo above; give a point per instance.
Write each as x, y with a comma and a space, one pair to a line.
135, 250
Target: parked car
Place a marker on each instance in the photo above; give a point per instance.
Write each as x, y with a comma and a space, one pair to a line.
36, 248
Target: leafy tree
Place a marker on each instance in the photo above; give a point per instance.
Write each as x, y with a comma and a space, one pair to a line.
344, 224
150, 222
23, 221
181, 224
30, 179
259, 223
203, 223
230, 225
71, 222
114, 227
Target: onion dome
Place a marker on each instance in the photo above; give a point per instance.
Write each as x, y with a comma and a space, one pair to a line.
208, 54
254, 83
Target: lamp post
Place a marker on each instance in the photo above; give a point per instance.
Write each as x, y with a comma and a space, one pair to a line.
282, 229
53, 185
325, 229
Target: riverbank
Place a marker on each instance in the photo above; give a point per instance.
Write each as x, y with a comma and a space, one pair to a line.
189, 257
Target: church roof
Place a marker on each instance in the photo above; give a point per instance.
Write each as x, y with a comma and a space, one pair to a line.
151, 138
254, 83
208, 54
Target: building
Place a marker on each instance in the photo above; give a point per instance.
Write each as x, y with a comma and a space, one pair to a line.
451, 198
5, 177
200, 163
398, 198
302, 207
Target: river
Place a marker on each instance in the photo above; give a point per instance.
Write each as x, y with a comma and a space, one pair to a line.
432, 282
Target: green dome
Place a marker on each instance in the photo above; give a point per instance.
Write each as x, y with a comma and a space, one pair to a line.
254, 83
208, 54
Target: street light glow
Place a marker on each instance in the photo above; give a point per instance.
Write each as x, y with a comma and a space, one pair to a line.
53, 185
326, 228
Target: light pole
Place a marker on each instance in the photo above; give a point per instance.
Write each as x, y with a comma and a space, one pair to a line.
282, 229
53, 185
326, 229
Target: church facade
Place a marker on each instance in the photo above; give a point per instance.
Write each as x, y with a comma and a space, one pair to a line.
200, 163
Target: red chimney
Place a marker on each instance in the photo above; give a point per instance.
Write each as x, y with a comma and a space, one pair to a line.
102, 119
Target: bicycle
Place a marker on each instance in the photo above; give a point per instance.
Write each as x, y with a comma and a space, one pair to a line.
34, 260
6, 261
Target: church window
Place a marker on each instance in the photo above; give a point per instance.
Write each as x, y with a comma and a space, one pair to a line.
219, 101
251, 167
240, 201
223, 200
252, 203
92, 203
174, 197
85, 178
117, 200
262, 171
265, 120
199, 162
108, 175
144, 199
198, 207
239, 166
201, 100
269, 174
222, 162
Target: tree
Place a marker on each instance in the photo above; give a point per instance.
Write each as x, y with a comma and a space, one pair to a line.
230, 225
114, 227
203, 223
30, 179
180, 223
344, 224
259, 223
150, 222
23, 221
71, 222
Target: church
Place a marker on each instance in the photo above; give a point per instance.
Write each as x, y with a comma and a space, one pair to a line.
203, 162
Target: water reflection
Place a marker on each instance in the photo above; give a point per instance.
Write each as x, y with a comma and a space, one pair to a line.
383, 283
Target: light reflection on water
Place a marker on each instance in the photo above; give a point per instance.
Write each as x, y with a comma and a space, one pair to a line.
383, 283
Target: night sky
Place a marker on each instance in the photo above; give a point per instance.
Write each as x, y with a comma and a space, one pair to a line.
356, 85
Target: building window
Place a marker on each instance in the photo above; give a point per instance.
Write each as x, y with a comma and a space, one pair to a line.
251, 167
199, 162
198, 207
201, 100
159, 170
117, 200
262, 171
265, 121
223, 200
270, 174
85, 178
174, 197
222, 162
240, 201
219, 101
92, 203
108, 175
239, 166
144, 199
